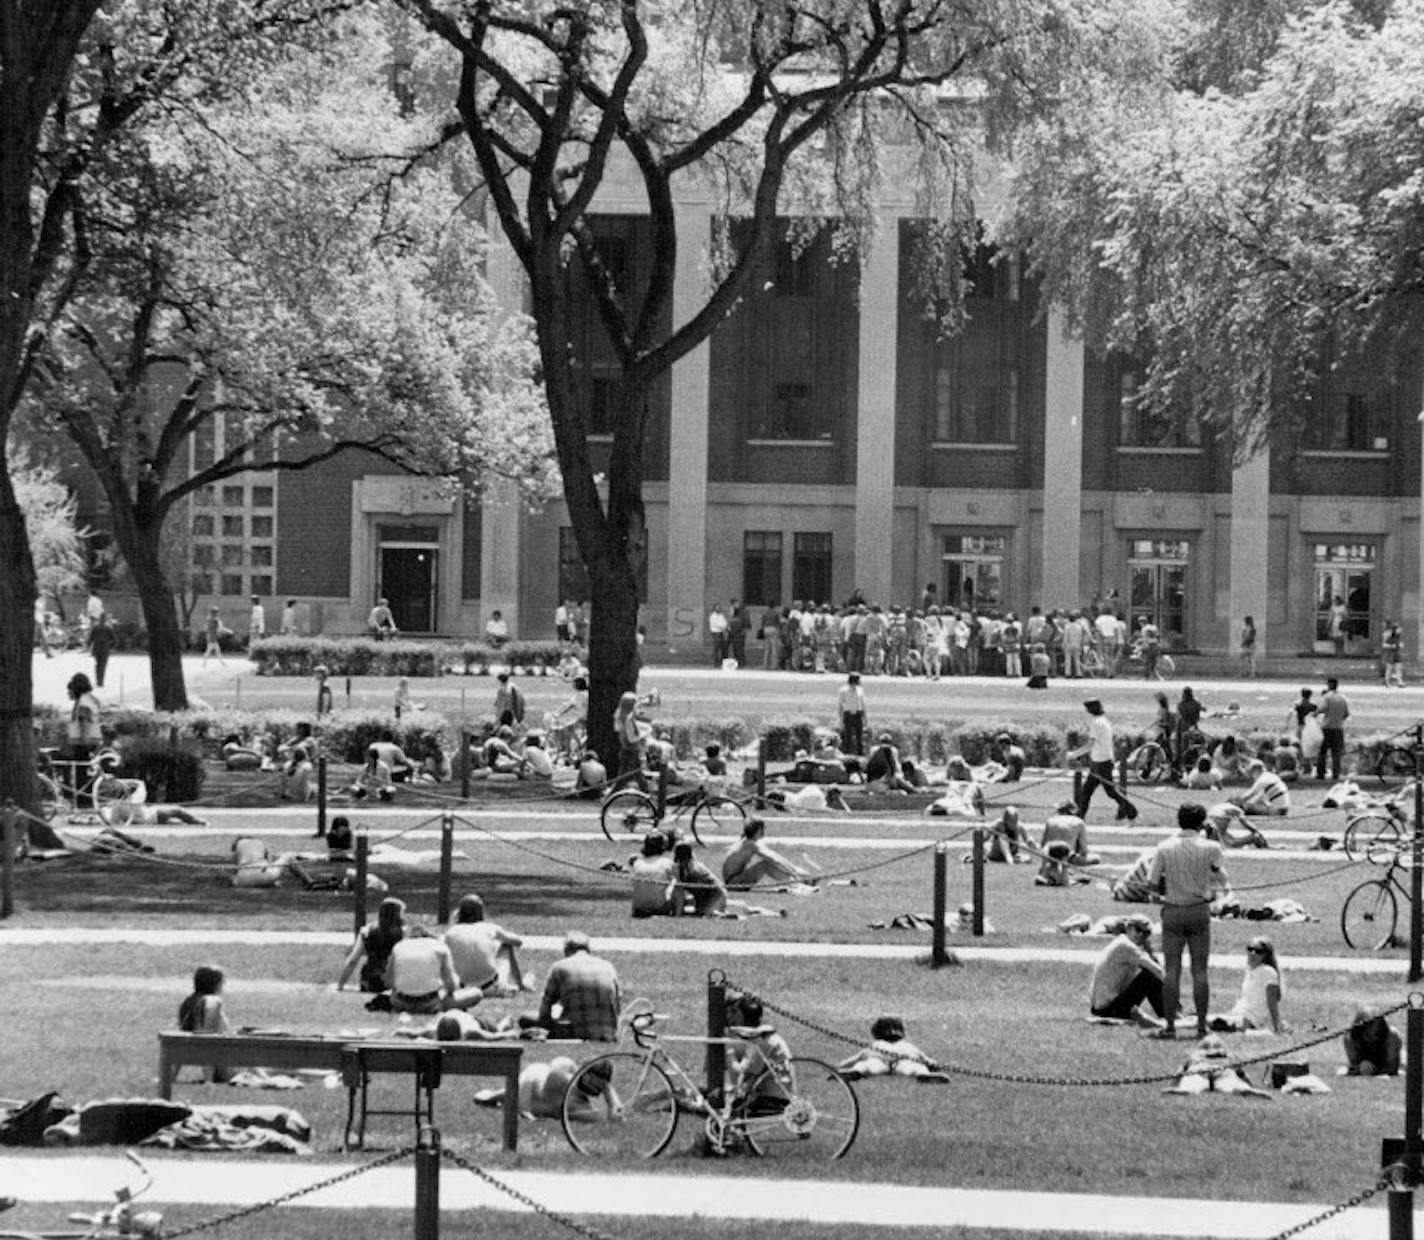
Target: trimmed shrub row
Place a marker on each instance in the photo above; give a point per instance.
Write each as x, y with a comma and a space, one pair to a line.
360, 656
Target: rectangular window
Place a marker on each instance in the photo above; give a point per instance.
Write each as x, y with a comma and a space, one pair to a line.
232, 525
972, 569
761, 567
203, 525
811, 568
791, 410
232, 583
232, 497
262, 497
203, 497
261, 557
261, 584
205, 444
976, 382
232, 554
261, 527
203, 555
1141, 425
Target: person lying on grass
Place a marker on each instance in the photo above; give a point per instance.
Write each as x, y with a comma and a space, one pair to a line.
890, 1053
752, 862
259, 865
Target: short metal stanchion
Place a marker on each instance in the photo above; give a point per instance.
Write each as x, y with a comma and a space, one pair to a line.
358, 894
716, 1031
978, 888
348, 693
662, 791
321, 797
9, 821
1077, 787
427, 1183
1122, 773
465, 764
939, 954
447, 865
761, 773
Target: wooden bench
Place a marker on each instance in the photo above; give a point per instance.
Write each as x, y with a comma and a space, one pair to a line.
356, 1059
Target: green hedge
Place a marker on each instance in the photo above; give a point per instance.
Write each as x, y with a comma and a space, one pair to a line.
172, 774
360, 656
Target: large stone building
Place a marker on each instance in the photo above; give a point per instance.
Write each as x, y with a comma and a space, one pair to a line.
829, 438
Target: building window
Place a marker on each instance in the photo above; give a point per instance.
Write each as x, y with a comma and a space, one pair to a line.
232, 584
1141, 425
203, 497
232, 554
261, 557
203, 525
761, 567
573, 577
976, 370
972, 570
232, 497
261, 527
811, 568
232, 525
1344, 592
262, 497
204, 555
205, 444
1157, 570
261, 584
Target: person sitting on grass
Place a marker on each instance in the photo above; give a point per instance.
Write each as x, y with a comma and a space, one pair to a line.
754, 863
1285, 757
484, 952
1203, 777
239, 757
654, 879
202, 1012
1127, 975
1259, 1005
890, 1053
884, 769
1011, 757
699, 892
372, 948
1228, 761
1372, 1047
542, 1086
423, 978
500, 757
592, 778
535, 762
298, 762
1007, 836
1267, 796
1134, 887
759, 1064
1066, 826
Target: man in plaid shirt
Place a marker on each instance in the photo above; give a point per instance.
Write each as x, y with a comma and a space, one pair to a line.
584, 990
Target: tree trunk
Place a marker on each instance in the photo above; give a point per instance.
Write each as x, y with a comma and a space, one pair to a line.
17, 627
612, 651
141, 545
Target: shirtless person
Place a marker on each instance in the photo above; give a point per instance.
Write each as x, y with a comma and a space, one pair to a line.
752, 861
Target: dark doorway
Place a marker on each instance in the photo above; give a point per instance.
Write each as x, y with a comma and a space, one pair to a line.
408, 580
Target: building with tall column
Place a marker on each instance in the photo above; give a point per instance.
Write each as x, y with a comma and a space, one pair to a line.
831, 437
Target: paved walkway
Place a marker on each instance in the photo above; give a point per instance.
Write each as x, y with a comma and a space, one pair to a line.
210, 1182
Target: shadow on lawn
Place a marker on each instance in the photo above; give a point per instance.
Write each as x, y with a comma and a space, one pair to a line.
195, 891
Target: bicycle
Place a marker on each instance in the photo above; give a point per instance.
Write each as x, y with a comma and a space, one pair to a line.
1165, 669
1376, 826
120, 1219
626, 1104
1395, 766
68, 785
637, 812
1370, 915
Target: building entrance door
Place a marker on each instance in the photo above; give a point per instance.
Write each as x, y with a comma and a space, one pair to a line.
1344, 577
972, 570
1158, 572
408, 580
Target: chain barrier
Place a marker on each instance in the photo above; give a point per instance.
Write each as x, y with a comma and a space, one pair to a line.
1385, 1181
582, 1229
1015, 1078
270, 1203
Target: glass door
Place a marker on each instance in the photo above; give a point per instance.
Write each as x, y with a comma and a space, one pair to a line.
972, 572
1157, 570
1344, 592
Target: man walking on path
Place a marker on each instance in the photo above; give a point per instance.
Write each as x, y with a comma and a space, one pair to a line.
1187, 870
852, 708
1334, 710
1099, 752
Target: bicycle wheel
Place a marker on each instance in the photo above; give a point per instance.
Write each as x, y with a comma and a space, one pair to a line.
1149, 762
1093, 662
627, 811
720, 815
48, 796
1364, 831
812, 1114
1368, 916
619, 1106
1395, 767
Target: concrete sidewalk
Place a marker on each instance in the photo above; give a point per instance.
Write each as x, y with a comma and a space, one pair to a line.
212, 1182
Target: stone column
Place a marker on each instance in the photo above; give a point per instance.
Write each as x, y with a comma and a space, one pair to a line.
502, 509
875, 415
1250, 529
687, 466
1063, 466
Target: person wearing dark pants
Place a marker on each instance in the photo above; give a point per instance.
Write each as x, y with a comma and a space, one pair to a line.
1334, 710
1099, 752
852, 709
1127, 975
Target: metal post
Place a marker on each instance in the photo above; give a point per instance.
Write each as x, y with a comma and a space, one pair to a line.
716, 1030
8, 821
978, 887
237, 690
1401, 1198
1416, 878
427, 1183
465, 739
398, 712
358, 895
1401, 1213
1122, 773
321, 797
1078, 787
662, 791
348, 693
761, 771
447, 862
939, 957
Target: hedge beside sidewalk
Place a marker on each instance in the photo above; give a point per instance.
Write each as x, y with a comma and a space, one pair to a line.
360, 656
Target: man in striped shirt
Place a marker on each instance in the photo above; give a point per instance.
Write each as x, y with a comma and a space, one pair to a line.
1188, 871
1267, 795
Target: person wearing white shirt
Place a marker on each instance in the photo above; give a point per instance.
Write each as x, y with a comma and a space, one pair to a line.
717, 630
851, 701
1100, 754
257, 624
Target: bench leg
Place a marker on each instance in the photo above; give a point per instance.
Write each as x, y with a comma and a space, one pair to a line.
511, 1109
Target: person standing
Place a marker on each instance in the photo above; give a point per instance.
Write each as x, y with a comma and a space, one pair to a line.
1335, 625
1189, 713
851, 701
289, 618
771, 636
737, 633
1392, 655
1334, 710
257, 623
1188, 872
717, 631
42, 627
83, 732
101, 645
1099, 752
1248, 646
213, 632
